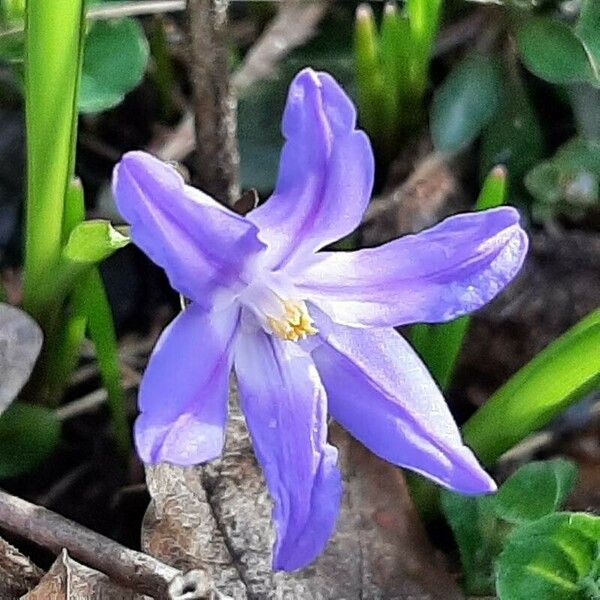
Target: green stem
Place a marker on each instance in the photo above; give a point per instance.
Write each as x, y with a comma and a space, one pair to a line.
92, 295
53, 41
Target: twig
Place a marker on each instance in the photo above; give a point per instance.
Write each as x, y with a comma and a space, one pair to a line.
217, 156
295, 23
134, 570
293, 26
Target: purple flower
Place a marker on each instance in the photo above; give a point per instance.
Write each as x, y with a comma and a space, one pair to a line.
307, 331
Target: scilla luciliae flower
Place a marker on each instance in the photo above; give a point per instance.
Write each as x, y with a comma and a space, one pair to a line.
307, 331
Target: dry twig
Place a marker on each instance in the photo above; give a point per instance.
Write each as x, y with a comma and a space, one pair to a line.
217, 156
131, 569
294, 24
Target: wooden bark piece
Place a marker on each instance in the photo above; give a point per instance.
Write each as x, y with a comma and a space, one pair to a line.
18, 574
217, 517
69, 580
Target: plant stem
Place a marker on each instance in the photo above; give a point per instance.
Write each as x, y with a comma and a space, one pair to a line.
53, 41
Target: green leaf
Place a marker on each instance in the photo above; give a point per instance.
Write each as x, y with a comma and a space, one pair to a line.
465, 103
535, 490
89, 243
557, 377
552, 51
366, 61
90, 298
12, 45
114, 61
570, 181
478, 535
554, 558
494, 191
424, 21
28, 435
514, 138
92, 241
588, 31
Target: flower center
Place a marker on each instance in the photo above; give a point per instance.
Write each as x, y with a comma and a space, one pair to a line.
272, 303
295, 324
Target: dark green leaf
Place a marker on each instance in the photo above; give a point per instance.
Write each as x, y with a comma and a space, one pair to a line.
550, 50
514, 137
588, 31
554, 558
570, 181
114, 61
12, 45
465, 103
478, 535
28, 435
535, 490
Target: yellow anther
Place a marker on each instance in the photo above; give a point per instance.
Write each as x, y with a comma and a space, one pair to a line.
295, 323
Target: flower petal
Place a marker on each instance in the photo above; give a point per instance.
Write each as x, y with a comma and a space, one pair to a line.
433, 276
183, 395
325, 172
285, 408
380, 391
202, 245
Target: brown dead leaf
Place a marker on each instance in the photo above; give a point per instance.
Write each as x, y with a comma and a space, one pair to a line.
18, 574
217, 518
69, 580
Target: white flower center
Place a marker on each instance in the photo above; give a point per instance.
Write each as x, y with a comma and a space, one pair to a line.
273, 300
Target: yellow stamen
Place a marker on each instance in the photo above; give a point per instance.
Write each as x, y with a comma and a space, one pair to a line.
295, 324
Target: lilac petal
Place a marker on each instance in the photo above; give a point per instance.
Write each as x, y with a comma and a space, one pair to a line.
202, 245
325, 173
285, 408
183, 395
380, 391
436, 275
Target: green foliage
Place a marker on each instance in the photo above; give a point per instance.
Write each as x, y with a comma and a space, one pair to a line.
53, 48
557, 377
465, 103
392, 69
28, 435
114, 62
587, 30
554, 558
568, 183
551, 50
115, 57
481, 524
478, 534
90, 298
514, 137
440, 345
62, 289
535, 490
91, 242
